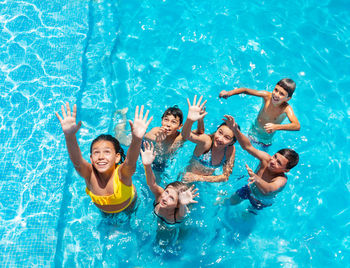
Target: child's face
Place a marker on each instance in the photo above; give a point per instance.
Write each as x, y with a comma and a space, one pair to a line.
279, 95
278, 163
171, 124
169, 198
103, 156
223, 137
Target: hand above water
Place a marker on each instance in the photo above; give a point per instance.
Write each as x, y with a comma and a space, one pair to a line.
140, 124
223, 94
147, 154
187, 197
252, 176
161, 134
68, 120
195, 111
270, 127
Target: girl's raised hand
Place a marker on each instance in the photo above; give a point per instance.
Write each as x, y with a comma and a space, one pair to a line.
147, 154
68, 120
195, 111
187, 197
230, 121
140, 124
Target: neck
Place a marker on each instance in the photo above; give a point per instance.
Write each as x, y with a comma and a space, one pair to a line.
172, 137
217, 149
166, 211
105, 176
272, 175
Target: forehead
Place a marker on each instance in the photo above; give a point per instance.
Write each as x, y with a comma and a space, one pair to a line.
226, 130
281, 89
171, 117
281, 158
102, 144
171, 190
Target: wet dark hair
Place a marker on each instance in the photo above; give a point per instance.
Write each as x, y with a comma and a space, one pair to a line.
114, 141
291, 155
224, 124
288, 85
175, 111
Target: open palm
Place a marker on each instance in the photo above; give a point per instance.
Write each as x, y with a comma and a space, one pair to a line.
68, 120
147, 154
187, 197
140, 124
195, 111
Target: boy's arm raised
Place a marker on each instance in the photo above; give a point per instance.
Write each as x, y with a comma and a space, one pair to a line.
265, 187
244, 141
138, 128
258, 93
70, 128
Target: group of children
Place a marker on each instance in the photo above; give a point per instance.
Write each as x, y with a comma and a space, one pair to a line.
108, 177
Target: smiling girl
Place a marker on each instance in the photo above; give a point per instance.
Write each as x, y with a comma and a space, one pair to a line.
109, 177
170, 203
212, 151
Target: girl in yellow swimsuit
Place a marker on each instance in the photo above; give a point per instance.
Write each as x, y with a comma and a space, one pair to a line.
109, 177
171, 203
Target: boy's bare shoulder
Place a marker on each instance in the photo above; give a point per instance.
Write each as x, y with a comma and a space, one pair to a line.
265, 94
154, 130
287, 107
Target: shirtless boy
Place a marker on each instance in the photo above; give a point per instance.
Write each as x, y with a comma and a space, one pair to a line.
269, 178
167, 137
274, 110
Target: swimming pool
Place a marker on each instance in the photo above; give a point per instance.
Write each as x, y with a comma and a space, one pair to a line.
106, 55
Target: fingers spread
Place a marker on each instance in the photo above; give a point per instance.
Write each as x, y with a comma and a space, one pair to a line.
68, 109
63, 112
59, 117
137, 112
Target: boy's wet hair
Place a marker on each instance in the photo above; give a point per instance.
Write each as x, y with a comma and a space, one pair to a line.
175, 111
292, 157
114, 141
288, 85
234, 137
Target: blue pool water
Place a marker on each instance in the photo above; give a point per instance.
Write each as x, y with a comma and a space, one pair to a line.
106, 55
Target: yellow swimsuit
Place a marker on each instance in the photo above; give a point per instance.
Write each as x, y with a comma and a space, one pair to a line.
121, 194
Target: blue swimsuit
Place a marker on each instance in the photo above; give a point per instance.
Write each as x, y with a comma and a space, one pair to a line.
206, 159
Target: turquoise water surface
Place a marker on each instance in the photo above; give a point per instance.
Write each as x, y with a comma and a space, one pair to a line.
106, 55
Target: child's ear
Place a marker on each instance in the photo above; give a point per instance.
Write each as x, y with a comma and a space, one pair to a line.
288, 98
180, 126
118, 158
